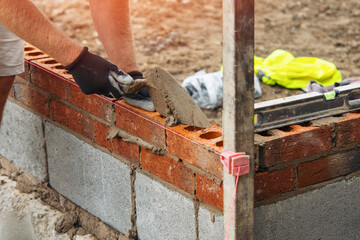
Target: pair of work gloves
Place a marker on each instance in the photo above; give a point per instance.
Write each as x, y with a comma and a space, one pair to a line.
95, 75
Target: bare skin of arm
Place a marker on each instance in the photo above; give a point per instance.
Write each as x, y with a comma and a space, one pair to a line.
112, 21
24, 19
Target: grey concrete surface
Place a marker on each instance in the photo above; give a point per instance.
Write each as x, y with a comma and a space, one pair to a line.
331, 212
21, 139
161, 212
210, 225
89, 177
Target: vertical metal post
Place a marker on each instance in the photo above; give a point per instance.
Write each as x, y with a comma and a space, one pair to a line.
238, 111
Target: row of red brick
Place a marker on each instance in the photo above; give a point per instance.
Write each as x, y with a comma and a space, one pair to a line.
200, 171
297, 176
298, 142
94, 129
49, 90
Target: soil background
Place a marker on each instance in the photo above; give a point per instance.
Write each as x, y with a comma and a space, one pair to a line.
185, 36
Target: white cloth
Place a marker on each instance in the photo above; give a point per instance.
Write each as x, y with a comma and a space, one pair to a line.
11, 53
206, 89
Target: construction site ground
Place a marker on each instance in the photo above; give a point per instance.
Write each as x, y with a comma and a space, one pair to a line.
185, 36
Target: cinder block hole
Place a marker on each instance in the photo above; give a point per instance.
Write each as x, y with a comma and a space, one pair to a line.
211, 135
50, 62
35, 54
265, 134
29, 49
193, 129
306, 124
286, 129
220, 144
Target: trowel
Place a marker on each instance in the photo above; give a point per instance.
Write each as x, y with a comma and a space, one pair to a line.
170, 99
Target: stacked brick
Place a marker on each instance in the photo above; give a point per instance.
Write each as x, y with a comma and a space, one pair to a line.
191, 163
288, 160
300, 157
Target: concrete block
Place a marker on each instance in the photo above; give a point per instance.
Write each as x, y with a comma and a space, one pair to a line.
90, 178
161, 212
210, 225
331, 212
21, 140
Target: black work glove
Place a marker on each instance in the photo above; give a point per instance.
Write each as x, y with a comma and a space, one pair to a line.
94, 74
142, 98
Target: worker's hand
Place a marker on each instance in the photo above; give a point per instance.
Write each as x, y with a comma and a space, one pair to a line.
142, 98
94, 74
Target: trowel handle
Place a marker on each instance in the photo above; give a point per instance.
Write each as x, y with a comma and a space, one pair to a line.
136, 86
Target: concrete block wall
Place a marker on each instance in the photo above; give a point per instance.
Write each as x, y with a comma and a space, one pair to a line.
20, 126
94, 180
127, 186
330, 212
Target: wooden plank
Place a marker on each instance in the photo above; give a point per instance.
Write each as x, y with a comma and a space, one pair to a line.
238, 111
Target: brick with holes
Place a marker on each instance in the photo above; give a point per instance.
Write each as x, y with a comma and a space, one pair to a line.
186, 143
293, 143
49, 82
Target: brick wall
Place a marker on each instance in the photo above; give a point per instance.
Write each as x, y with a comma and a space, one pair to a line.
300, 157
289, 161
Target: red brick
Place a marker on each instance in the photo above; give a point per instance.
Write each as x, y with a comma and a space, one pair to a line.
51, 65
348, 130
169, 170
71, 118
26, 74
195, 152
269, 184
298, 143
140, 123
126, 150
32, 52
49, 82
209, 191
94, 104
328, 167
29, 96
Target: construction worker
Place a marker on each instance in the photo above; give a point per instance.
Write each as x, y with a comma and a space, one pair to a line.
22, 19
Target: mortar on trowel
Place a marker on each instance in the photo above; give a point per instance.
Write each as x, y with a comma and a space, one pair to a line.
170, 99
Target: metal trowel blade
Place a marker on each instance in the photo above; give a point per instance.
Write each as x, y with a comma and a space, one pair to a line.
172, 101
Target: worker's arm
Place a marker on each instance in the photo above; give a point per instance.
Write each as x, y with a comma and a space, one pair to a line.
24, 19
92, 73
112, 21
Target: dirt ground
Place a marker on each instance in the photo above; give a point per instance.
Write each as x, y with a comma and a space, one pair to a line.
185, 36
